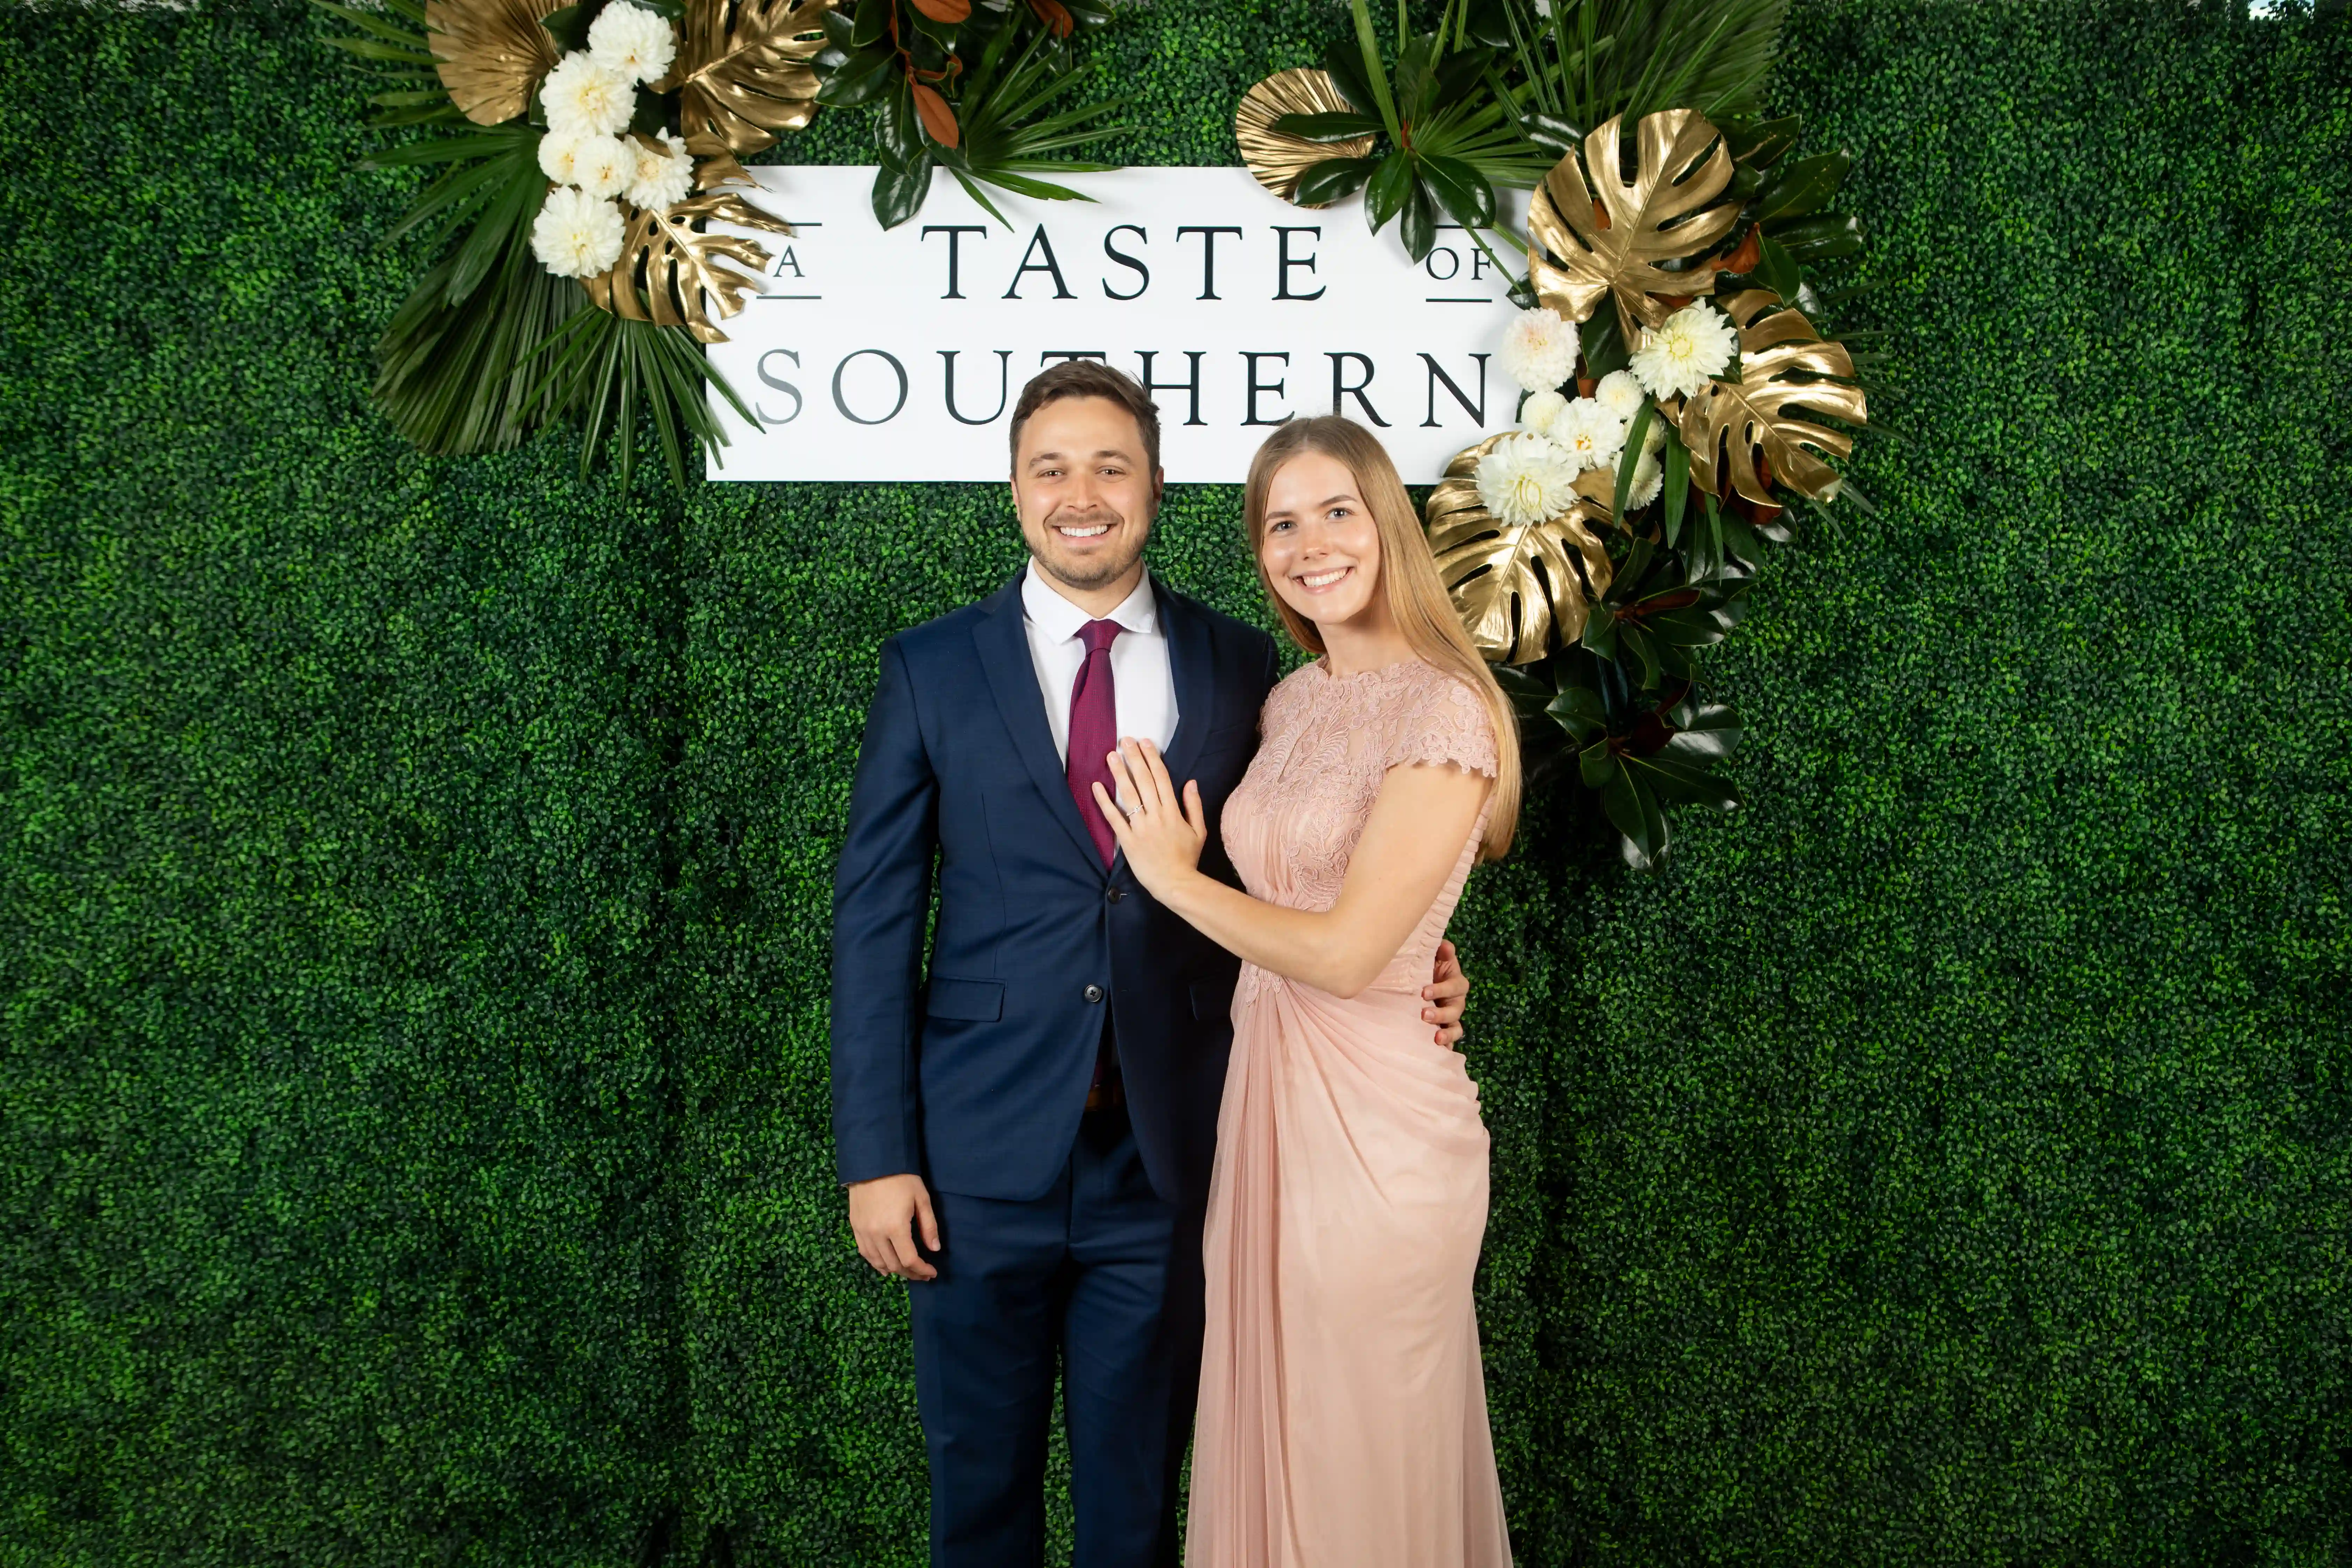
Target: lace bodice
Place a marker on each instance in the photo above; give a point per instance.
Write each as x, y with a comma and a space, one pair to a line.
1292, 823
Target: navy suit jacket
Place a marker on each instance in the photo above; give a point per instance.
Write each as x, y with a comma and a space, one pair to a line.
975, 1079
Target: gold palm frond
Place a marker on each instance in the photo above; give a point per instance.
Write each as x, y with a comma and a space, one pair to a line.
743, 75
1733, 423
1514, 586
1276, 159
1612, 236
490, 53
669, 271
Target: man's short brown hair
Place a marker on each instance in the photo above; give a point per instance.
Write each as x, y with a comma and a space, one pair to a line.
1089, 378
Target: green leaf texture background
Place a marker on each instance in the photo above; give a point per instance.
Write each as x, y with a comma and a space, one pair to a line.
413, 903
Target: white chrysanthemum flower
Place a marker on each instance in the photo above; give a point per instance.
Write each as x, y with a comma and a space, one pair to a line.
1540, 409
557, 156
583, 99
1539, 350
1675, 359
1653, 439
1524, 479
575, 235
662, 175
1649, 479
602, 166
1588, 434
632, 42
1620, 393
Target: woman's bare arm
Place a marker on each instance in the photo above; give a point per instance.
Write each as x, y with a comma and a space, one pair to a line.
1418, 825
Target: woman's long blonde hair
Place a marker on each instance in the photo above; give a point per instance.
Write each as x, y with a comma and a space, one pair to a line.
1416, 598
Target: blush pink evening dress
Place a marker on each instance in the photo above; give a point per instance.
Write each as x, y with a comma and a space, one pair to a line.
1343, 1411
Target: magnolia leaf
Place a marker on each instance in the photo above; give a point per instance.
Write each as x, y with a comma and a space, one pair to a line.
742, 72
1712, 731
669, 271
938, 119
1512, 586
491, 54
1608, 235
1276, 158
1728, 426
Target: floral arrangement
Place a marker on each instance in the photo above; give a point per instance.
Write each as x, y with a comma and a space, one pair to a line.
587, 151
1680, 393
971, 88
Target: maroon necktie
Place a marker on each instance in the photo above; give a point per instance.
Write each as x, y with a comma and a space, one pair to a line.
1094, 730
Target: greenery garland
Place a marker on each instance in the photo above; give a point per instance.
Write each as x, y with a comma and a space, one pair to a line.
1681, 390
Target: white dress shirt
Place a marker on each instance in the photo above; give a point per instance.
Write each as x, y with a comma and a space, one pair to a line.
1143, 688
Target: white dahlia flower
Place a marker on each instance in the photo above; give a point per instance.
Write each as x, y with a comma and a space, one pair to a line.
632, 42
602, 165
557, 155
575, 235
1539, 350
1524, 479
1588, 434
1620, 393
662, 171
1540, 409
583, 99
1649, 479
1675, 359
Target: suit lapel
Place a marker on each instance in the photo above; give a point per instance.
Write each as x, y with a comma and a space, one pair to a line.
1004, 647
1190, 661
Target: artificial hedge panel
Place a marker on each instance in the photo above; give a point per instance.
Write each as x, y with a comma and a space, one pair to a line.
416, 1144
332, 1124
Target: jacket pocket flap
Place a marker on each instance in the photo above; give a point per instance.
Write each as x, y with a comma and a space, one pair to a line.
981, 1001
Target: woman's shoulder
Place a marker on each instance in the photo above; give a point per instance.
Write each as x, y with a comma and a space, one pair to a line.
1432, 714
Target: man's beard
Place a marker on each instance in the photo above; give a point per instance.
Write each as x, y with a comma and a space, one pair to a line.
1097, 573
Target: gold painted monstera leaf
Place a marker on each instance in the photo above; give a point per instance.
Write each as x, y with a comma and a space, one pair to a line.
669, 271
490, 53
1276, 158
1610, 236
742, 76
1513, 587
1728, 426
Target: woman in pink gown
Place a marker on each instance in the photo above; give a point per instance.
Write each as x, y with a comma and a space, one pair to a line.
1342, 1412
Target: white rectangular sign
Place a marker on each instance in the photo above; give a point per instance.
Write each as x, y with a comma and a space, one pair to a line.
899, 354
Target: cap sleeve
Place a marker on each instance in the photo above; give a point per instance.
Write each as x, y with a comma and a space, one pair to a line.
1442, 720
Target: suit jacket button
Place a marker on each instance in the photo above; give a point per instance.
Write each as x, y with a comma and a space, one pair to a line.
1094, 993
1115, 895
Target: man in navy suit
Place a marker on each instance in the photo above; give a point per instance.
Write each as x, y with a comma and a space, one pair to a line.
1026, 1133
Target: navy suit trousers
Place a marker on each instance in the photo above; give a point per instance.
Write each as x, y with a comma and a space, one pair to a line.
1100, 1280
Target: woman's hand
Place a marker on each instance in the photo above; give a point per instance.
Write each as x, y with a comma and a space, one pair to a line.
1163, 838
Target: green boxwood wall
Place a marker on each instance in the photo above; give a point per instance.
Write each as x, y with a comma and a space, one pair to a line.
413, 1130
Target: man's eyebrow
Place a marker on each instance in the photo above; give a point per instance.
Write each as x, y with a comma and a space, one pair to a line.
1118, 452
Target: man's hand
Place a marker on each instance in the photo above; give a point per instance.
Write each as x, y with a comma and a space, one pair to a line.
883, 1213
1448, 987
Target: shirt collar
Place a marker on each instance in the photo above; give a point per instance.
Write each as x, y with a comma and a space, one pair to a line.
1060, 619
